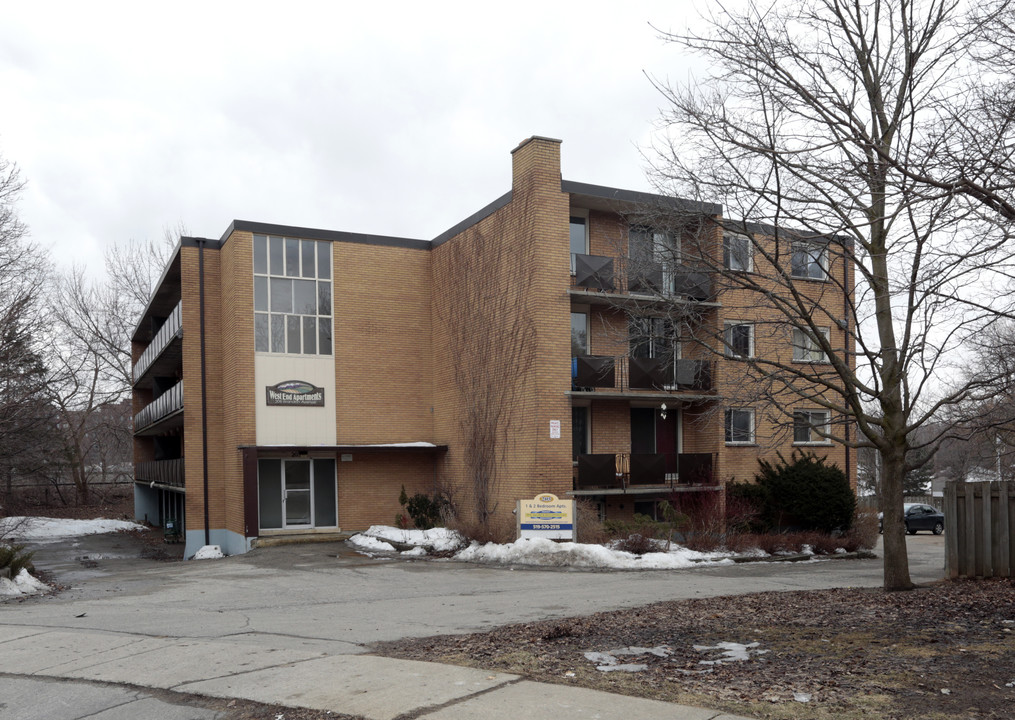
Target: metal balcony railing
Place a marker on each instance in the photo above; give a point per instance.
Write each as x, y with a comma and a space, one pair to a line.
166, 404
621, 275
589, 372
620, 471
170, 330
164, 472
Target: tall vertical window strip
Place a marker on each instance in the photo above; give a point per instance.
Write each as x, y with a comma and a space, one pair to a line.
292, 296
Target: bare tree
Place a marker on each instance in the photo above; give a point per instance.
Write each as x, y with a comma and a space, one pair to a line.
23, 272
817, 130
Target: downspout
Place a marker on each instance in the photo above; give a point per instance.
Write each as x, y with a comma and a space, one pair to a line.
204, 391
845, 329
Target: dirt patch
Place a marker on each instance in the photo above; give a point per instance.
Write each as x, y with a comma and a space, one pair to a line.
938, 652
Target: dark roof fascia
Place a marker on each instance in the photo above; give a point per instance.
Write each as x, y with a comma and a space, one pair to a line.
769, 230
473, 219
193, 242
634, 197
318, 234
175, 257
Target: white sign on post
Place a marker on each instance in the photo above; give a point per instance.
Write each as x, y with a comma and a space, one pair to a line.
546, 516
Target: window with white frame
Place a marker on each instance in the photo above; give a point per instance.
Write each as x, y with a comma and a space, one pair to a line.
810, 426
809, 260
738, 339
292, 296
806, 348
736, 253
739, 426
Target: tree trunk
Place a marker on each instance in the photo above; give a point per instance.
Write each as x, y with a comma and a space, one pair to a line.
896, 558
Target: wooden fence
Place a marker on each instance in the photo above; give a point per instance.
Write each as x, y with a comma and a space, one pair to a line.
979, 529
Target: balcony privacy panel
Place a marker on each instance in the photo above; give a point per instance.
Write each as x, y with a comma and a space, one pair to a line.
694, 285
649, 373
594, 371
593, 271
695, 468
598, 470
648, 469
164, 472
645, 278
694, 374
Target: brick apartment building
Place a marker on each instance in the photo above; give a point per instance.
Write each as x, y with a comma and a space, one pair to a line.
290, 380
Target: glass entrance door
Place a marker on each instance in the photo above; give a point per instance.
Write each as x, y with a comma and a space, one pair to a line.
298, 493
298, 501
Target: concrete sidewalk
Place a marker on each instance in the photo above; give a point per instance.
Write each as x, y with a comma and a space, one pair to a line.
372, 687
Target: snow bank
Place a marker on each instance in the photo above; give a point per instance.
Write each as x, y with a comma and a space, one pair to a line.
209, 552
437, 539
43, 528
23, 584
540, 551
529, 551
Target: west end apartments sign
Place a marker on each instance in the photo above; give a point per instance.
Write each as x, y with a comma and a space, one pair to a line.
294, 393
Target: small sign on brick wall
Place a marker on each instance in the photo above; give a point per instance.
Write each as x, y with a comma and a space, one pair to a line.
555, 429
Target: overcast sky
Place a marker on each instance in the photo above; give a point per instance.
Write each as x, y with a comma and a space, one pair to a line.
392, 119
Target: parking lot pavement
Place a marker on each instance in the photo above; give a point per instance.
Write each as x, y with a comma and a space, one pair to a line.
255, 626
28, 698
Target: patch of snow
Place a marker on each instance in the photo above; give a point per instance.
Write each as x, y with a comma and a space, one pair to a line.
415, 552
209, 552
43, 528
368, 544
544, 552
438, 539
802, 697
730, 652
23, 584
609, 662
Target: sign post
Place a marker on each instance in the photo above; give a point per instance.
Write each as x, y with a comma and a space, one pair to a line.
546, 516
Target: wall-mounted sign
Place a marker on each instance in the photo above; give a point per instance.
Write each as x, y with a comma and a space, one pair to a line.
546, 516
555, 429
295, 393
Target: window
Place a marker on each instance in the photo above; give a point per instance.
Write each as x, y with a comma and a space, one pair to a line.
579, 334
739, 340
806, 348
810, 260
579, 238
646, 245
810, 425
739, 427
579, 432
736, 253
292, 296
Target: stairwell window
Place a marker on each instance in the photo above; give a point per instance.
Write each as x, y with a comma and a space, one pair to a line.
807, 348
292, 296
736, 253
809, 260
810, 427
739, 427
738, 339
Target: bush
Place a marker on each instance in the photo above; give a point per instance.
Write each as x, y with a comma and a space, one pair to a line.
805, 493
427, 511
15, 557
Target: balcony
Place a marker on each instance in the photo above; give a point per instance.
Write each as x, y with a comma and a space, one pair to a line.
168, 405
171, 329
162, 472
616, 275
592, 372
632, 473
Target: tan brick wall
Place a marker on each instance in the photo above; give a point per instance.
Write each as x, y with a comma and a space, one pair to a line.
533, 229
369, 486
383, 354
237, 391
